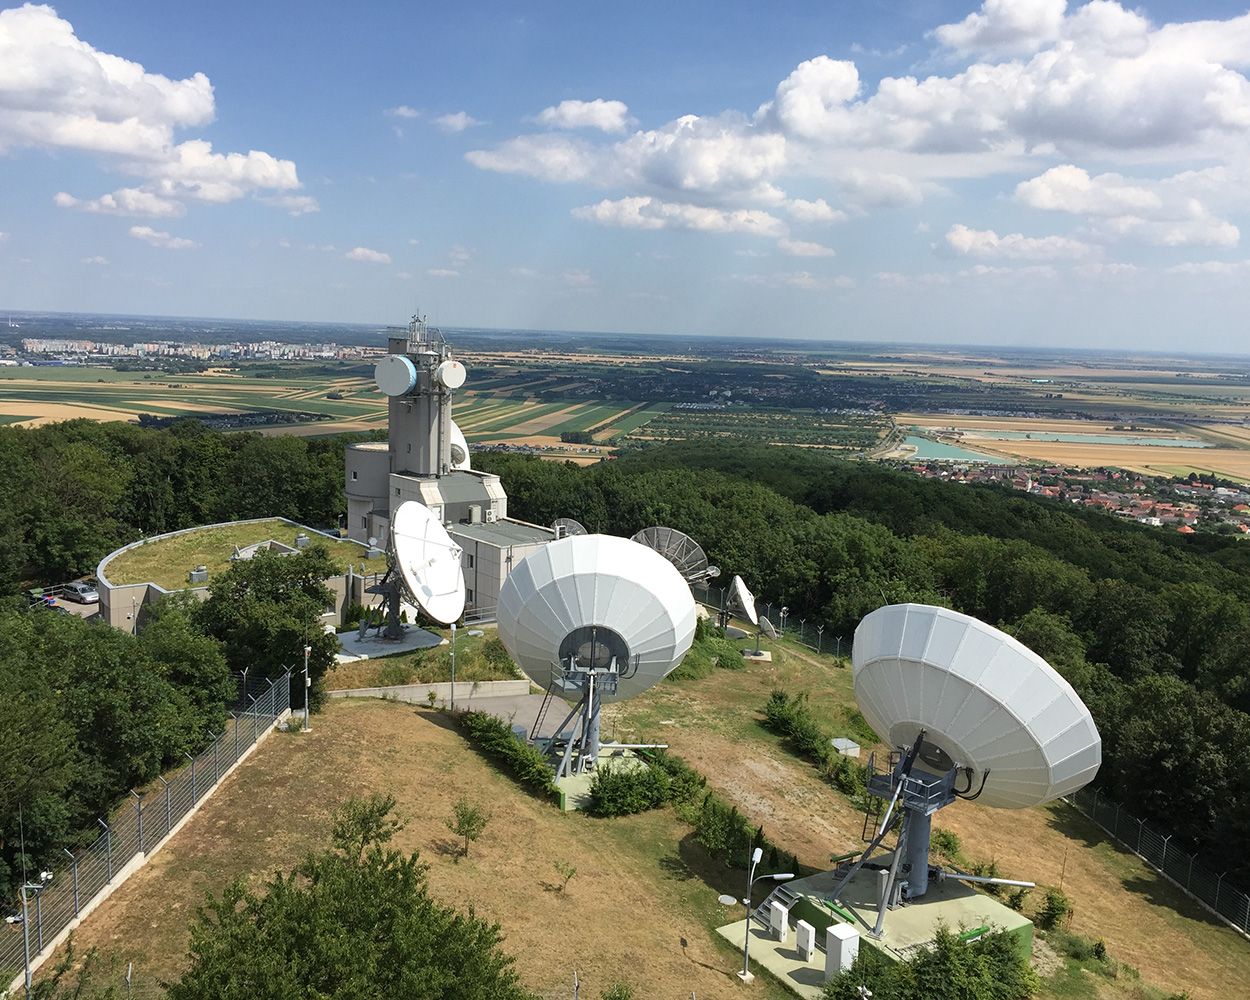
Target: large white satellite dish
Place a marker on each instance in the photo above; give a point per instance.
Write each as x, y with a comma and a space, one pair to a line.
459, 449
395, 375
985, 702
588, 597
743, 600
428, 562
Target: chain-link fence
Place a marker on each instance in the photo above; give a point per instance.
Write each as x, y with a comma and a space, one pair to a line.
1157, 850
135, 829
812, 634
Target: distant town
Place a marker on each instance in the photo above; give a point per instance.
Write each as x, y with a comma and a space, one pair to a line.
65, 351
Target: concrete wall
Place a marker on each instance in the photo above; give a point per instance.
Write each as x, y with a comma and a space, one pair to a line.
419, 694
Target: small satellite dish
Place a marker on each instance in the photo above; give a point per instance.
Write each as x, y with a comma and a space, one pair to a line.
450, 374
596, 600
459, 449
743, 600
767, 628
428, 562
395, 375
679, 549
985, 703
566, 527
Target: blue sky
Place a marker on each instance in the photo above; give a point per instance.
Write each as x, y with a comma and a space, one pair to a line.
1026, 172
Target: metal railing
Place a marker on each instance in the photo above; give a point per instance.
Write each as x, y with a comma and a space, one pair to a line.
138, 826
811, 633
1158, 851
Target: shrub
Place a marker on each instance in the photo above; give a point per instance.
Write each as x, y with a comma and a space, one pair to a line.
494, 738
684, 782
1100, 950
1055, 906
1016, 898
945, 841
619, 792
619, 991
725, 832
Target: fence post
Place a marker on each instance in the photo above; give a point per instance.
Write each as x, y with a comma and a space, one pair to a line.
1140, 823
235, 719
169, 812
216, 756
39, 918
139, 812
1093, 812
1190, 879
1218, 885
192, 760
108, 847
73, 874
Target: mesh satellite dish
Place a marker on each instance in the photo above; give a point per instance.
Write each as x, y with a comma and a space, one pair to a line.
679, 549
743, 600
428, 562
593, 619
972, 713
459, 449
566, 527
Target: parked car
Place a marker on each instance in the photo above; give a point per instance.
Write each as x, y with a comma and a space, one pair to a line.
81, 592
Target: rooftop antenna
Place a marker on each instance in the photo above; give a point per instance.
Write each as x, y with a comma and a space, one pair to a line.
681, 550
972, 713
460, 460
594, 619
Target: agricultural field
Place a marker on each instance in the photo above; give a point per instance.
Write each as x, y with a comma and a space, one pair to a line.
798, 428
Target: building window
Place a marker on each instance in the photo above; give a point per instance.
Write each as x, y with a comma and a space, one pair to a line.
364, 521
410, 448
355, 475
470, 562
397, 491
468, 596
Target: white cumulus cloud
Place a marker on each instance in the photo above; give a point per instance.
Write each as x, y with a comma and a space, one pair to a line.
456, 122
802, 248
367, 256
443, 272
402, 111
157, 238
125, 201
987, 244
645, 212
606, 116
819, 210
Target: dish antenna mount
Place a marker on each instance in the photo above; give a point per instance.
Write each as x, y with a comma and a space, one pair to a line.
681, 550
972, 713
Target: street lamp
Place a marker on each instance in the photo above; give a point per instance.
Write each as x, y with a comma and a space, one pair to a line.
745, 975
307, 687
785, 613
24, 920
453, 666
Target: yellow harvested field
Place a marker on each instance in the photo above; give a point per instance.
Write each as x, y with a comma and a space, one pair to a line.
538, 424
39, 413
944, 421
174, 403
1230, 463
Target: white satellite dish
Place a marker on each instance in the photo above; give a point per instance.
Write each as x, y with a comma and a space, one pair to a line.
428, 562
679, 549
395, 375
767, 628
459, 449
596, 598
594, 619
743, 600
450, 374
566, 527
985, 702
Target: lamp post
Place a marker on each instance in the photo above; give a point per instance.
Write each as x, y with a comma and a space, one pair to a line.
307, 687
24, 920
745, 975
453, 666
785, 613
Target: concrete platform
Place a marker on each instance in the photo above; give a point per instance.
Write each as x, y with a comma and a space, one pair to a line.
372, 646
782, 960
575, 789
763, 656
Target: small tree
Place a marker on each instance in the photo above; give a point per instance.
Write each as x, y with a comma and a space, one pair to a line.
1054, 908
567, 871
468, 821
618, 991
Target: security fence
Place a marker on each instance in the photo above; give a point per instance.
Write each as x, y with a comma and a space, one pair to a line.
1157, 850
136, 828
812, 634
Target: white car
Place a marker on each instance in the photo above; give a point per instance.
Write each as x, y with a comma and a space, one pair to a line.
81, 592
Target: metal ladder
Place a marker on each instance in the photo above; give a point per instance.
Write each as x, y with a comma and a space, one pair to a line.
548, 698
782, 895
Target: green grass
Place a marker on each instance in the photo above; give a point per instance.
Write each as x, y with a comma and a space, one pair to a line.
167, 561
478, 658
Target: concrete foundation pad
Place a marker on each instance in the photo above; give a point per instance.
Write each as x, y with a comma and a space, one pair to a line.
575, 789
782, 959
373, 645
763, 656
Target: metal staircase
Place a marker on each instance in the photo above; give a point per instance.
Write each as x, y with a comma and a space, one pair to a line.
782, 894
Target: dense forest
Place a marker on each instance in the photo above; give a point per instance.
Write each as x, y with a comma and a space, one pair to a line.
1151, 628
